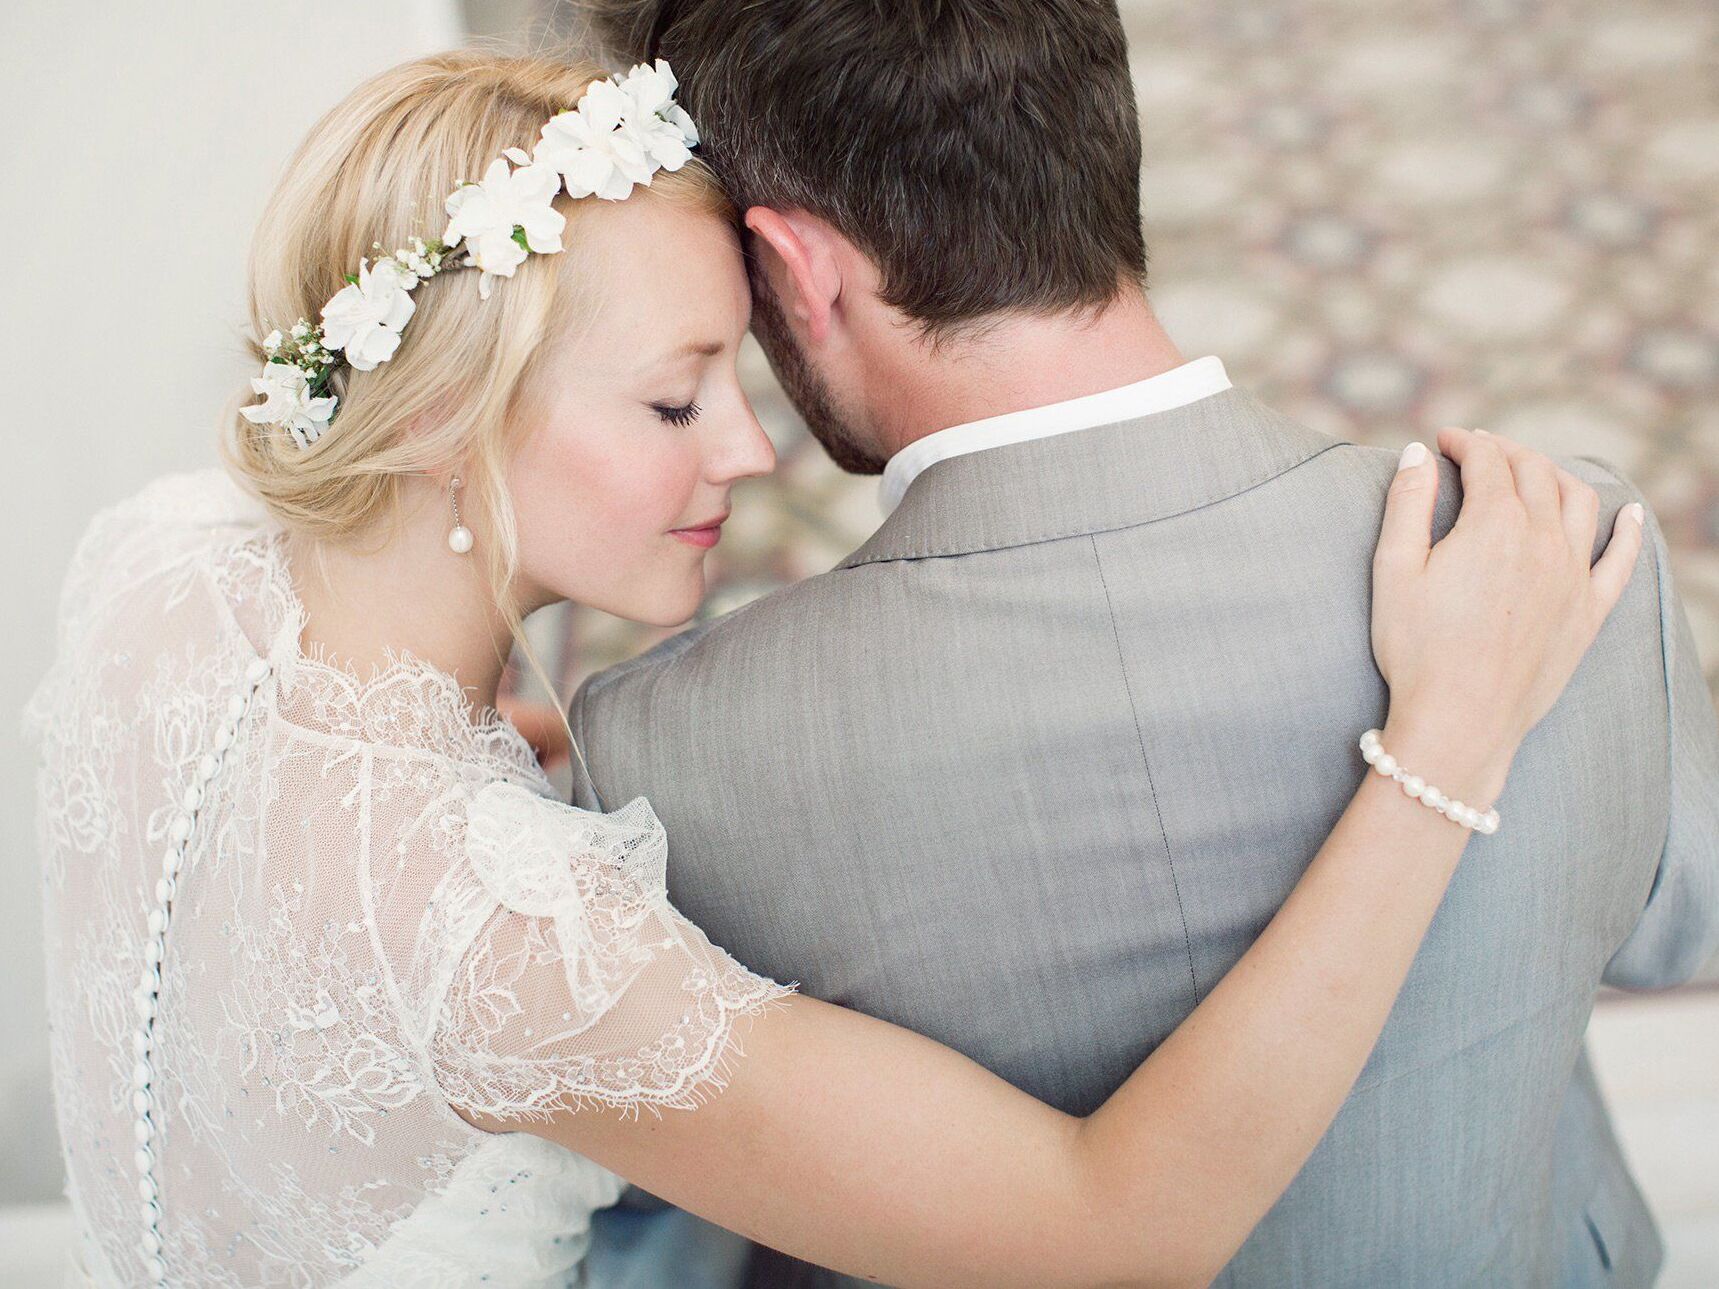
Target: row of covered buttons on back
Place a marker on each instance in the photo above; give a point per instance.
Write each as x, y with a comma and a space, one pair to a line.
148, 993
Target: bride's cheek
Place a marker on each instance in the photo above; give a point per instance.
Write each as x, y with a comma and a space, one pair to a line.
667, 488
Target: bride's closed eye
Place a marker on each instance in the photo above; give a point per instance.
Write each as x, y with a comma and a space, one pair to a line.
677, 414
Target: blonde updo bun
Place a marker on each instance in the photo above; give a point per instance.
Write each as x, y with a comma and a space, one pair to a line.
377, 168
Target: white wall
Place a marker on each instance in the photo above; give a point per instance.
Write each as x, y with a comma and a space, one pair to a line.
140, 142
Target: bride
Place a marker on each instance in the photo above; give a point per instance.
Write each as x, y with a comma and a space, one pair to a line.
341, 993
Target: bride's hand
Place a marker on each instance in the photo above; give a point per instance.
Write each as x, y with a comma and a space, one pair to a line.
1478, 635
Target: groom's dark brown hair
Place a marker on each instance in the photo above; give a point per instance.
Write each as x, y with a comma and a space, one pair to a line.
984, 153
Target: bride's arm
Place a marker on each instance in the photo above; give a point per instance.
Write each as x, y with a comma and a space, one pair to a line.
872, 1150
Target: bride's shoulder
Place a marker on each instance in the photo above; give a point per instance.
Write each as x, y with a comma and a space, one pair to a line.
155, 529
193, 499
565, 976
188, 499
524, 845
500, 854
167, 517
131, 557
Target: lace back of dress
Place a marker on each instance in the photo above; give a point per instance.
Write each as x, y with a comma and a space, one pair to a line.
304, 927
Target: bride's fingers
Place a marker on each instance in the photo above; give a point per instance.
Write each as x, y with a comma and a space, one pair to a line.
1548, 490
1488, 487
1535, 475
1612, 573
1581, 506
1536, 480
1406, 537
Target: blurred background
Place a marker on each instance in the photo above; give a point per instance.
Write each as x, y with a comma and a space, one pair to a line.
1384, 215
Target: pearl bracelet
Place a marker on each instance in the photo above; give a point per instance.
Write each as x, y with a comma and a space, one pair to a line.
1373, 752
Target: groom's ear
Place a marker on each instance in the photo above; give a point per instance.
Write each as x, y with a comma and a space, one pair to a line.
807, 272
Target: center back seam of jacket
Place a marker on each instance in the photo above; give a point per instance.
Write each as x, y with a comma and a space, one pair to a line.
1146, 764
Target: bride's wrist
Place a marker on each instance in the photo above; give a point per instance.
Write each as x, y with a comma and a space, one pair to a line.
1464, 762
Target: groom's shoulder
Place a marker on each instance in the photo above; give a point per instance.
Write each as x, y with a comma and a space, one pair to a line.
758, 631
772, 636
1370, 470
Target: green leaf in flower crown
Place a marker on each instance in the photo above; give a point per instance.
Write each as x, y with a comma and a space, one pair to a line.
519, 236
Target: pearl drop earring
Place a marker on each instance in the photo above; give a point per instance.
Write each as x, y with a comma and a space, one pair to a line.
460, 539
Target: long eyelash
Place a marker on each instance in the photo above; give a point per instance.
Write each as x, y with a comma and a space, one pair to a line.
677, 415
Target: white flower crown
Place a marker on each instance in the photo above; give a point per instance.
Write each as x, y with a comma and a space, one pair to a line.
622, 132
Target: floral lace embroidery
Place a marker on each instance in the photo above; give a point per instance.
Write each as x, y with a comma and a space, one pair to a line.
381, 920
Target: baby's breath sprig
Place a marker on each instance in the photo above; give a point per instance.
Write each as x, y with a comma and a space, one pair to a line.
302, 347
421, 258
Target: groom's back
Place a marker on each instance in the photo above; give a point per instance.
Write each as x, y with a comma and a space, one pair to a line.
1031, 770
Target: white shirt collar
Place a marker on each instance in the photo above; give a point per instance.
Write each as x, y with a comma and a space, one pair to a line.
1177, 387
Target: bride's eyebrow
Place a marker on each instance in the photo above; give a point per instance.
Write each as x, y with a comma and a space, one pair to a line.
665, 361
704, 348
686, 349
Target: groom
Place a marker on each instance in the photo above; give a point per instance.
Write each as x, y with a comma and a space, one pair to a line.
1030, 769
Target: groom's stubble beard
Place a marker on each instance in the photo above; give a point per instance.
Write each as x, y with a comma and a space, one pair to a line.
806, 388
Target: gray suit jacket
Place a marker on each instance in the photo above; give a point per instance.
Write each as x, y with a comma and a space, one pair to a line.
1029, 770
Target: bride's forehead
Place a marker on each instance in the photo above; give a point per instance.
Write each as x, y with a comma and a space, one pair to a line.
666, 265
659, 237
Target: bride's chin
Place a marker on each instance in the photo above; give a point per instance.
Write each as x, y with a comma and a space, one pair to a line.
684, 613
670, 610
666, 621
670, 598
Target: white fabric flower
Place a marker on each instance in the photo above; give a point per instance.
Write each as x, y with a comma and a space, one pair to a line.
485, 214
660, 141
287, 403
587, 148
652, 90
365, 318
621, 133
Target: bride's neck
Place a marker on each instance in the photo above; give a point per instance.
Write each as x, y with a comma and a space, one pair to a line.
411, 594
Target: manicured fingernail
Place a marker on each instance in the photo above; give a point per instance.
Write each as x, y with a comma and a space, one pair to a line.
1635, 512
1413, 455
1479, 431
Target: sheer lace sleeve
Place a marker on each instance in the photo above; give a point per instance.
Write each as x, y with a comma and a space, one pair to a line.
570, 976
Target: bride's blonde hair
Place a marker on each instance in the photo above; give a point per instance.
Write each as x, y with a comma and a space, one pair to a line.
376, 169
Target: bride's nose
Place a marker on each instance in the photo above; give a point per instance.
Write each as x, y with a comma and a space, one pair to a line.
743, 450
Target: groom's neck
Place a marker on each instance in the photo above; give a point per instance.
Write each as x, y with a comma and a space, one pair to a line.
1023, 362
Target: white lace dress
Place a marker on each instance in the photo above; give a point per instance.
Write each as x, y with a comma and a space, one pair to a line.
295, 919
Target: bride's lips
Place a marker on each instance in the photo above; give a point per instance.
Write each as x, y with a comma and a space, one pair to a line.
705, 535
